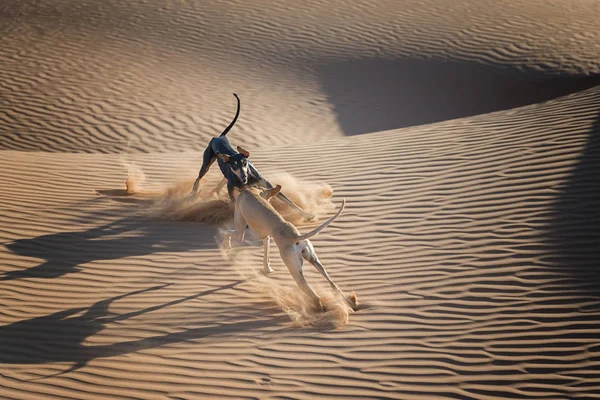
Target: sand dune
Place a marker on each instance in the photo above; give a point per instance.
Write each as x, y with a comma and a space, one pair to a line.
147, 76
463, 136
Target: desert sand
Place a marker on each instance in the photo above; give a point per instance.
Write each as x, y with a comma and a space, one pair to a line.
464, 136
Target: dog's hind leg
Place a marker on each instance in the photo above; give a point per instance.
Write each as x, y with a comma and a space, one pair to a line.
266, 259
208, 159
308, 253
294, 261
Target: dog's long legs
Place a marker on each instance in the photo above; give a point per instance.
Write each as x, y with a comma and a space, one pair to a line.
239, 232
288, 201
208, 159
220, 186
266, 259
294, 262
308, 253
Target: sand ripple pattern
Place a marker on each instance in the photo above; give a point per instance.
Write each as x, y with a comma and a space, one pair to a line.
113, 76
444, 238
472, 242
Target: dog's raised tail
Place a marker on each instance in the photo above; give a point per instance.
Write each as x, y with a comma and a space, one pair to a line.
323, 226
237, 114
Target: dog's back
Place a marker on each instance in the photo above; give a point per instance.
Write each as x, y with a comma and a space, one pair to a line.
264, 219
261, 217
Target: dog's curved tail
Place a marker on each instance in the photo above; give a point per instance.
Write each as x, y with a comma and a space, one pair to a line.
237, 114
323, 226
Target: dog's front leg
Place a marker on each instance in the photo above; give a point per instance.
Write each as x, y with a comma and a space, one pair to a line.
219, 187
293, 205
238, 238
230, 189
287, 200
266, 259
208, 159
227, 239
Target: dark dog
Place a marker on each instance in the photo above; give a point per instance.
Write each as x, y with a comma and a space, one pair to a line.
235, 166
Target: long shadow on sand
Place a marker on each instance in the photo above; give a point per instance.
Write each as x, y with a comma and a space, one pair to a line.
575, 228
58, 337
373, 95
64, 252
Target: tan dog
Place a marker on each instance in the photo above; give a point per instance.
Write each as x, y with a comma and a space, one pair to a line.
252, 209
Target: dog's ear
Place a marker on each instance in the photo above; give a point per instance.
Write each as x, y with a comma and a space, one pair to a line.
272, 192
243, 151
224, 157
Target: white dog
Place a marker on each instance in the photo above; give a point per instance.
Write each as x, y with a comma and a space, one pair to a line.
252, 209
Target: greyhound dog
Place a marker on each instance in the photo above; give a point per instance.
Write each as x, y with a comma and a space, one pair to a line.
235, 166
252, 210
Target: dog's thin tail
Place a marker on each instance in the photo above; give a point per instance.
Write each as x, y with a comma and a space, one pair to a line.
237, 114
323, 226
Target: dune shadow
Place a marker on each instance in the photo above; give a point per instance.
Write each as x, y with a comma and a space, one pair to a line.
64, 252
59, 337
575, 227
373, 95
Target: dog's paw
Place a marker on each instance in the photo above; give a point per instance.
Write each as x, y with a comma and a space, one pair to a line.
191, 196
308, 217
268, 270
321, 307
353, 300
227, 243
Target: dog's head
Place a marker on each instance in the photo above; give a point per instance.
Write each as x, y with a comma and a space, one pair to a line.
238, 163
